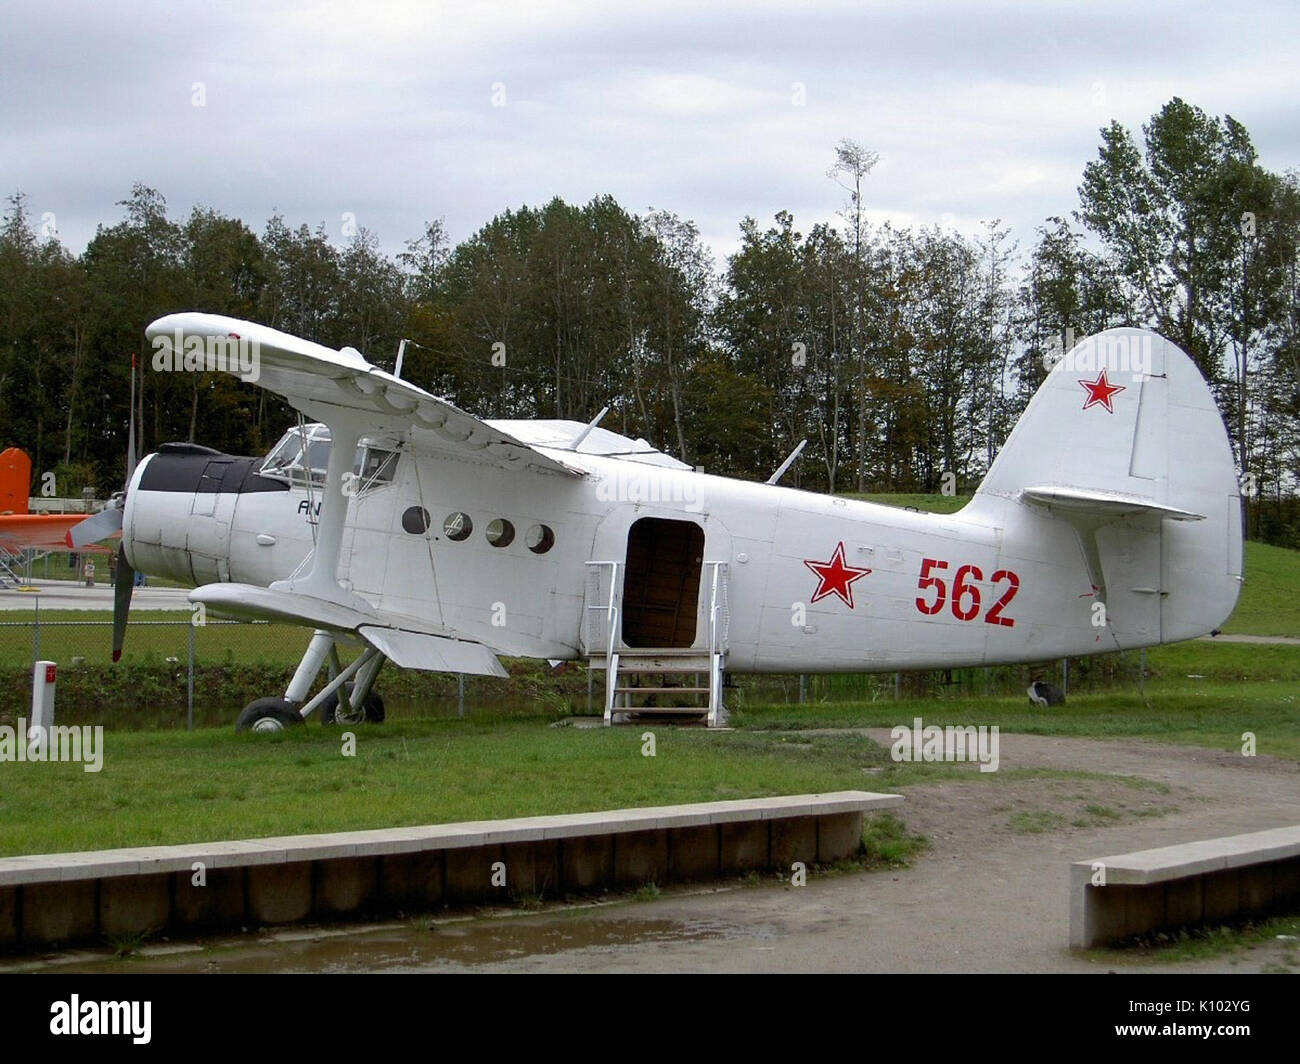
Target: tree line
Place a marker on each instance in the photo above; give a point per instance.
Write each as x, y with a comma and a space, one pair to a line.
901, 354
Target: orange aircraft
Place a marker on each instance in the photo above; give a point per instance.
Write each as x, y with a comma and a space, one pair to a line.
20, 529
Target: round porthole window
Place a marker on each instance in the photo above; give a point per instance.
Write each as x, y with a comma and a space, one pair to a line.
416, 520
500, 532
540, 539
457, 526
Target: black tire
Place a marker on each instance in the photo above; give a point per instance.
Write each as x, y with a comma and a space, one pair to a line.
374, 708
268, 715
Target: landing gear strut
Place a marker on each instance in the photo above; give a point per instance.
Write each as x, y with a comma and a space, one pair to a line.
371, 711
344, 700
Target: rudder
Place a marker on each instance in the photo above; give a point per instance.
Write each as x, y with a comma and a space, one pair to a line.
15, 481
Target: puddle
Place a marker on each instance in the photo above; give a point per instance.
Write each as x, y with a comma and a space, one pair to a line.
423, 945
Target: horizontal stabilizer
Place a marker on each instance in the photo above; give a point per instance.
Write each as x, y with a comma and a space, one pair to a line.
1097, 503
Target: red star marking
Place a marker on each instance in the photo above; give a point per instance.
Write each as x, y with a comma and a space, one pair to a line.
835, 577
1100, 392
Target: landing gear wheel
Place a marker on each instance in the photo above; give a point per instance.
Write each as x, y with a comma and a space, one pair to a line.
268, 715
371, 713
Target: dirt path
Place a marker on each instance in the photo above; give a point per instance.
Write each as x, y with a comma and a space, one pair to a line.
987, 896
990, 894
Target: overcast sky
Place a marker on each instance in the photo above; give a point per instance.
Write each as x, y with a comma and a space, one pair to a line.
401, 112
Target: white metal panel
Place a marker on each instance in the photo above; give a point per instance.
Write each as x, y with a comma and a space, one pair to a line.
431, 653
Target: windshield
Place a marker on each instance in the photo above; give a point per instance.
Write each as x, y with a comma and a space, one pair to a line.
303, 455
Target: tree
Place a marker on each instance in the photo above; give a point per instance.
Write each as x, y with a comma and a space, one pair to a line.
1202, 236
853, 163
134, 274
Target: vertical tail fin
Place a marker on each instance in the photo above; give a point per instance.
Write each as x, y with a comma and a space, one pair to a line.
15, 481
1123, 435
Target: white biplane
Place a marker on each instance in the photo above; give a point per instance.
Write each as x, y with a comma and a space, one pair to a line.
1110, 520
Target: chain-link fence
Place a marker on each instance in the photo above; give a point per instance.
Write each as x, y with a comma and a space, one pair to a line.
1104, 672
170, 668
177, 673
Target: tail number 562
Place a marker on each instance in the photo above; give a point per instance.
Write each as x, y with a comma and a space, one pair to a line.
965, 600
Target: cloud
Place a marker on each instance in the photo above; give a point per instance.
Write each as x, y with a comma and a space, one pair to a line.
979, 111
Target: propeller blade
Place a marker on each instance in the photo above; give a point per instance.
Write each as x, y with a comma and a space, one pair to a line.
122, 586
93, 529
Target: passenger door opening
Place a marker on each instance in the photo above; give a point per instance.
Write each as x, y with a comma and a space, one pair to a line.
661, 588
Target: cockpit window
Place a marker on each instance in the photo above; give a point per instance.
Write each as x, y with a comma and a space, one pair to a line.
375, 466
303, 455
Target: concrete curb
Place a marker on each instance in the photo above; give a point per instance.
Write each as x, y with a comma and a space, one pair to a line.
59, 899
1184, 885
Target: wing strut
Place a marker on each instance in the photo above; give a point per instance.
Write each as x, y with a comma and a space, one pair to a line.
321, 581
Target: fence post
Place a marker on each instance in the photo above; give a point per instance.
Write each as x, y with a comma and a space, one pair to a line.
189, 696
460, 694
1065, 676
43, 679
36, 629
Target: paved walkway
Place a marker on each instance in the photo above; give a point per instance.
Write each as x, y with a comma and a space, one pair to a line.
1284, 640
67, 595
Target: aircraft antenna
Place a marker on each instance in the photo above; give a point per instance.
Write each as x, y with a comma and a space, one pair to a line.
587, 430
788, 462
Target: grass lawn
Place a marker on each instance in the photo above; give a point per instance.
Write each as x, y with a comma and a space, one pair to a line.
1213, 715
935, 504
209, 784
152, 636
174, 787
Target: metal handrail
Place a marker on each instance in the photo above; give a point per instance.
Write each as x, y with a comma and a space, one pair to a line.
607, 606
715, 649
611, 629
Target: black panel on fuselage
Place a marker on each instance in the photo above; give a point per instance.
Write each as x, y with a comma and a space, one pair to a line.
189, 468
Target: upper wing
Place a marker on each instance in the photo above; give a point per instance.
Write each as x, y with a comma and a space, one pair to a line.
314, 378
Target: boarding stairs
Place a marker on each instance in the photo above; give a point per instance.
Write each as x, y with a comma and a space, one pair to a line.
681, 682
12, 564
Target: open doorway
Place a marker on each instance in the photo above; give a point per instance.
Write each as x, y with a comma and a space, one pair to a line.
661, 589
